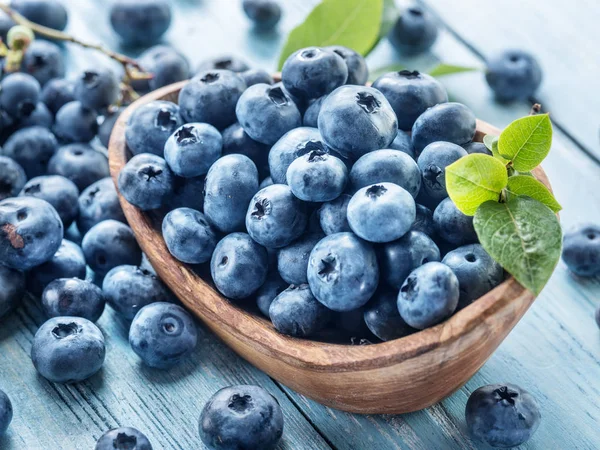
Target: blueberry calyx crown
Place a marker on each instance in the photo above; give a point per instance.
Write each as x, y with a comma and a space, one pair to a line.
210, 77
90, 79
431, 174
504, 395
317, 155
64, 330
164, 119
415, 11
277, 96
150, 172
38, 62
262, 208
240, 403
32, 189
224, 64
410, 74
26, 108
124, 441
171, 324
185, 135
367, 102
377, 190
309, 54
328, 268
470, 257
409, 287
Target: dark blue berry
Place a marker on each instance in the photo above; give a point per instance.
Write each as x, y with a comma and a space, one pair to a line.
98, 202
256, 76
12, 177
236, 140
188, 236
452, 225
414, 32
581, 249
44, 61
333, 216
32, 148
513, 75
292, 260
6, 412
12, 289
433, 162
75, 123
57, 93
296, 312
146, 181
272, 287
193, 148
19, 93
140, 22
107, 125
80, 163
382, 317
317, 177
166, 65
224, 62
49, 13
73, 297
125, 438
97, 88
264, 13
358, 72
150, 125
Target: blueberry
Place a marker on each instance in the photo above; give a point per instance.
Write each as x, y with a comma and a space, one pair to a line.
256, 76
39, 117
414, 32
230, 184
358, 72
187, 193
32, 148
513, 75
476, 147
75, 123
44, 61
19, 93
292, 261
276, 217
381, 212
211, 97
73, 297
79, 163
382, 317
57, 93
236, 140
123, 438
49, 13
146, 181
129, 288
68, 349
223, 62
452, 225
30, 232
264, 13
150, 125
12, 289
166, 65
333, 215
317, 177
266, 182
272, 287
98, 202
193, 148
67, 262
424, 221
502, 415
399, 258
12, 177
107, 125
97, 88
238, 266
6, 412
109, 244
267, 112
162, 335
433, 162
59, 191
343, 272
390, 166
476, 271
296, 312
140, 22
450, 122
410, 93
311, 115
581, 250
403, 142
241, 417
188, 236
355, 120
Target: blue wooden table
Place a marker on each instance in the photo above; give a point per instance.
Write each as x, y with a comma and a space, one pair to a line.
554, 352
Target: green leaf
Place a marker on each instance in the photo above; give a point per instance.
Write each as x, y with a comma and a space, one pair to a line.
523, 236
526, 141
352, 23
475, 179
491, 142
450, 69
374, 74
529, 186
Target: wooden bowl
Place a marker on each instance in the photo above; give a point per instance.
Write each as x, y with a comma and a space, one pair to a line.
398, 376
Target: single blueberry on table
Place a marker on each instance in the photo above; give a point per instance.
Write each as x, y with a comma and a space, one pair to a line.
264, 13
399, 258
424, 221
150, 125
381, 212
68, 349
97, 88
476, 271
57, 93
292, 261
476, 147
241, 417
513, 75
12, 177
410, 93
382, 317
32, 148
296, 312
108, 123
275, 217
40, 117
433, 162
75, 123
123, 438
12, 289
187, 193
236, 140
230, 184
272, 287
193, 148
355, 120
166, 65
238, 266
30, 232
146, 181
80, 163
67, 262
581, 250
333, 216
311, 115
188, 235
109, 244
502, 415
449, 122
428, 296
73, 297
129, 288
223, 62
19, 93
49, 13
6, 412
140, 22
452, 225
317, 177
162, 335
256, 76
98, 202
414, 32
44, 61
211, 97
358, 72
403, 142
342, 271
